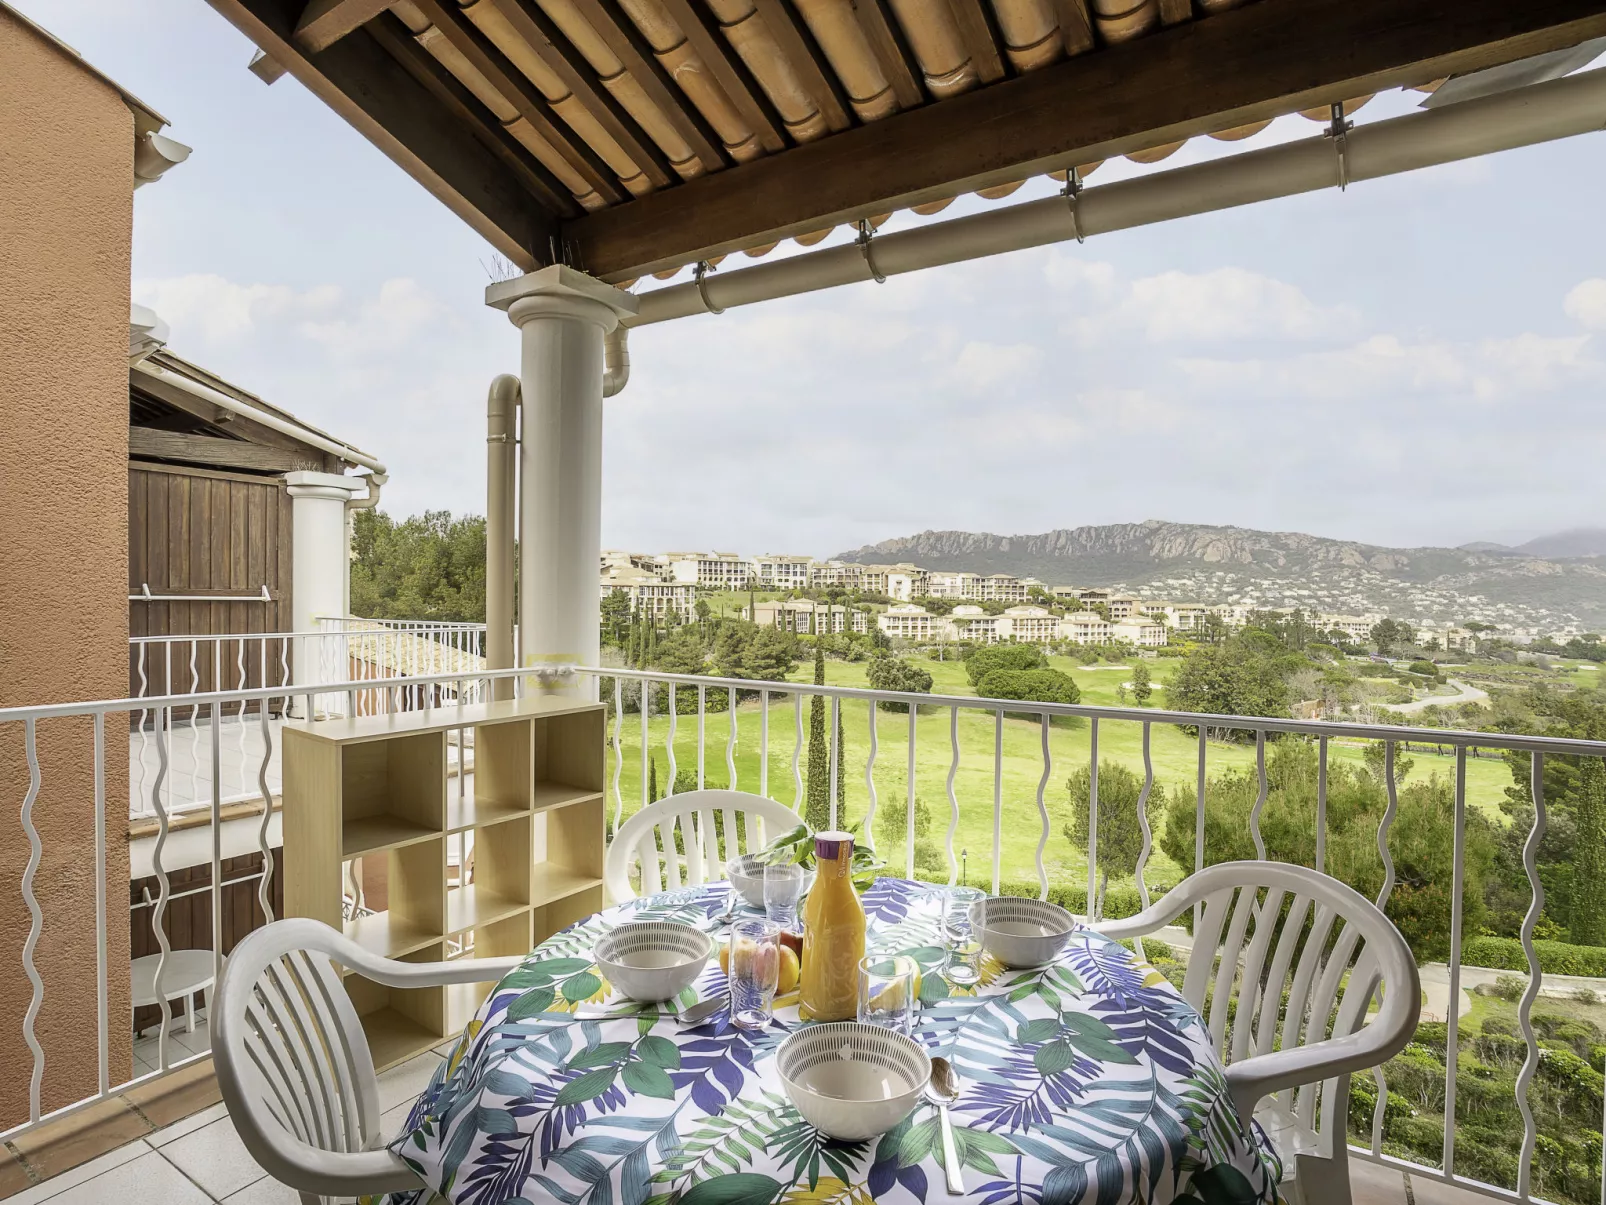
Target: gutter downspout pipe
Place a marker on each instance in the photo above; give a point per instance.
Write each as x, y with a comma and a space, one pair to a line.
1538, 113
501, 456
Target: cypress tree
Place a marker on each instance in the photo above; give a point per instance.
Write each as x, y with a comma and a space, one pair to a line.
652, 779
1588, 927
817, 807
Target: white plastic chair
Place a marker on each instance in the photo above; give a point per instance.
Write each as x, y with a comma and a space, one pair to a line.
294, 1066
649, 837
1296, 1057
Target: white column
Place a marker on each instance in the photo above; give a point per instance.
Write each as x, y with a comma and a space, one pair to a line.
562, 316
320, 560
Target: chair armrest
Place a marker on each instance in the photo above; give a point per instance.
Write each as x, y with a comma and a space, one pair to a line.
1253, 1079
440, 974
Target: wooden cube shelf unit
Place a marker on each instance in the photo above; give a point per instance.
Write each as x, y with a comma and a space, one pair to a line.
378, 787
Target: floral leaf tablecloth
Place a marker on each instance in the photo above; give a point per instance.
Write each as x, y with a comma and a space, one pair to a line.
1090, 1080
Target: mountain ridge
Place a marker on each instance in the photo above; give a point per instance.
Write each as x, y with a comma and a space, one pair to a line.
1216, 563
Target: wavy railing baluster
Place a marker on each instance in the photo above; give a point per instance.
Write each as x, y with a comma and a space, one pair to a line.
164, 735
953, 800
869, 780
263, 895
138, 788
669, 739
1042, 809
909, 818
1536, 905
102, 997
618, 753
216, 900
1321, 806
241, 678
642, 706
1260, 795
1452, 1013
1383, 827
836, 754
1093, 821
1199, 818
797, 751
195, 728
998, 798
1143, 819
702, 715
764, 743
730, 743
36, 923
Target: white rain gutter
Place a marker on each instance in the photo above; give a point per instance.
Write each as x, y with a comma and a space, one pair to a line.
1538, 113
245, 410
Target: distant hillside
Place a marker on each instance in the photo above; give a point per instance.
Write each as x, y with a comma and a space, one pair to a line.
1218, 563
1581, 541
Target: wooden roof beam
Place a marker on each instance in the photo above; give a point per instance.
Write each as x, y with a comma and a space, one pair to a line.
363, 84
325, 22
722, 62
1255, 62
886, 39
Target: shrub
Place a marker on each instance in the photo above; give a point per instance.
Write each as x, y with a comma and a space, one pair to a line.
1363, 1102
980, 662
1505, 1025
1435, 1035
1029, 685
1500, 1050
1509, 987
1417, 1074
1119, 902
1555, 957
886, 672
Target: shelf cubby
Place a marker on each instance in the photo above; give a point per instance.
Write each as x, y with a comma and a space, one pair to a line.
377, 788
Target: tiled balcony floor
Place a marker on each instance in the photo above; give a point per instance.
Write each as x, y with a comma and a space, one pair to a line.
201, 1160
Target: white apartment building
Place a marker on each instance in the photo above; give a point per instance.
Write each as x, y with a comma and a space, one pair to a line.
650, 595
907, 621
1355, 627
1002, 587
1066, 594
835, 573
1031, 625
1458, 638
808, 618
774, 571
1181, 617
973, 624
1085, 627
1091, 595
1140, 630
711, 571
1122, 606
953, 585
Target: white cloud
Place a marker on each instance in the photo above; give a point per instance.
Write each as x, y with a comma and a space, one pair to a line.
1585, 304
207, 306
985, 367
1223, 304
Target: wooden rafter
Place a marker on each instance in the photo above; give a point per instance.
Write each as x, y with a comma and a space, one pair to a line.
631, 49
886, 39
976, 28
325, 22
1076, 26
1251, 63
519, 92
800, 49
723, 63
361, 82
209, 449
559, 54
479, 121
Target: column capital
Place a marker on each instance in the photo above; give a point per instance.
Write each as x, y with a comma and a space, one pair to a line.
304, 483
563, 292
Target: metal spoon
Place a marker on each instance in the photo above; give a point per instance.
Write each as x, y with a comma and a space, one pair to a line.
942, 1090
702, 1010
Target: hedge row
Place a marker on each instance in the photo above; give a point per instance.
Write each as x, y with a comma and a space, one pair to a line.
1555, 957
1119, 902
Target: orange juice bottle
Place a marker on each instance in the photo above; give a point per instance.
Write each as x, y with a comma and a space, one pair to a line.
833, 934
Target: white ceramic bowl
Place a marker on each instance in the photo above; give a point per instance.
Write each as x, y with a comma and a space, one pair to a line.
852, 1081
746, 874
652, 961
1021, 933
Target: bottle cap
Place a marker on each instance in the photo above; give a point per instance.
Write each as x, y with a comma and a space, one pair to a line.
829, 846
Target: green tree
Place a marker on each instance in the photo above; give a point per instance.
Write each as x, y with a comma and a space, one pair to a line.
1120, 835
652, 779
894, 673
817, 805
1376, 759
1035, 685
1142, 685
616, 618
680, 653
1243, 676
1588, 925
983, 661
430, 566
771, 655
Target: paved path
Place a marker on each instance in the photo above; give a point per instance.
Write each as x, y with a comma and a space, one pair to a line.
1467, 694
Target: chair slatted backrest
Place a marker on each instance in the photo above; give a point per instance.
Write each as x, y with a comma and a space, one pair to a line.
686, 840
1283, 957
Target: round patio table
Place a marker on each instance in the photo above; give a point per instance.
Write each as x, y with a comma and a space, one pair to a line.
1089, 1080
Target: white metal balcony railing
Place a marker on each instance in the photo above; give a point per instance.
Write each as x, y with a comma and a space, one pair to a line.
343, 648
213, 713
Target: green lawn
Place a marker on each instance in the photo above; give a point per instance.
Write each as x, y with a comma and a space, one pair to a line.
1017, 743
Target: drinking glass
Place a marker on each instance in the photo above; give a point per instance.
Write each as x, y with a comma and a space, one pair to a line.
887, 991
783, 887
755, 972
964, 947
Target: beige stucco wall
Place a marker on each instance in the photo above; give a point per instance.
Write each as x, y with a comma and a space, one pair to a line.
66, 177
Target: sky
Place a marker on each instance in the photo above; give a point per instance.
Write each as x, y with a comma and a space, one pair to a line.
1416, 360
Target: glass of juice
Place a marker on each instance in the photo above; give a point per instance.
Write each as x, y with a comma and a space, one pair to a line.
755, 963
964, 945
887, 991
